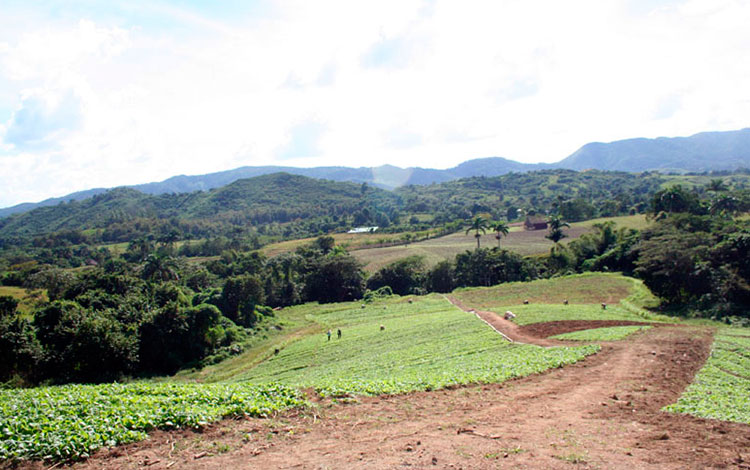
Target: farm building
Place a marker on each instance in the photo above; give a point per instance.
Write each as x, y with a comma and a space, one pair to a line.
535, 223
363, 229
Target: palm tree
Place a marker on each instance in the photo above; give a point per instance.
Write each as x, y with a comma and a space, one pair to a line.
479, 224
160, 268
556, 225
501, 229
716, 185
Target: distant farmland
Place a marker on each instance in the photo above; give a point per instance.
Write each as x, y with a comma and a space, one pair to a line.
518, 240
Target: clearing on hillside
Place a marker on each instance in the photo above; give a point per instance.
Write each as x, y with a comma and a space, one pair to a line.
518, 240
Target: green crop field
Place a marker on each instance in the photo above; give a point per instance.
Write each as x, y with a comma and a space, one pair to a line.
614, 333
72, 421
721, 389
424, 345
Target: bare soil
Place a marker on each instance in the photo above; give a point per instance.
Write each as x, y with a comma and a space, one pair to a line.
601, 413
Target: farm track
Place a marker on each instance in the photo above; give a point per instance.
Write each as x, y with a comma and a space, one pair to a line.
601, 413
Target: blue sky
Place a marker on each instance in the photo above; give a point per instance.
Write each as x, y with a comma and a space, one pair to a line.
101, 94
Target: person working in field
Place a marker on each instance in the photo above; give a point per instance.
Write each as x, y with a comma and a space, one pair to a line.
329, 335
338, 332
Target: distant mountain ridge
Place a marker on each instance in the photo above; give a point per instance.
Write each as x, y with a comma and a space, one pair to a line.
707, 151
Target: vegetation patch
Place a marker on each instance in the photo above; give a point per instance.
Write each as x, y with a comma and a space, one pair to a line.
398, 346
589, 288
614, 333
721, 389
72, 421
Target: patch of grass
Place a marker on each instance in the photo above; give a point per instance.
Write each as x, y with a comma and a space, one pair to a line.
73, 421
27, 299
587, 288
573, 457
424, 345
625, 298
524, 242
615, 333
721, 389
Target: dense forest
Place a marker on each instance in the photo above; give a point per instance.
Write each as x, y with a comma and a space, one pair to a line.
153, 310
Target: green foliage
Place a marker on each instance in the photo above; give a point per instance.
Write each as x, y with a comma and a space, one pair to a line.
239, 298
528, 314
478, 224
83, 346
73, 421
404, 277
486, 267
336, 278
175, 336
698, 260
721, 389
424, 345
441, 278
556, 225
8, 305
614, 333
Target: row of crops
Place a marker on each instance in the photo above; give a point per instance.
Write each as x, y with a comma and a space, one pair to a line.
396, 347
721, 389
614, 333
72, 421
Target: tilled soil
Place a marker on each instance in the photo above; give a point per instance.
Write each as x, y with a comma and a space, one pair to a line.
601, 413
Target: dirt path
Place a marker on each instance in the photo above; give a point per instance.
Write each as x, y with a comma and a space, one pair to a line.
601, 413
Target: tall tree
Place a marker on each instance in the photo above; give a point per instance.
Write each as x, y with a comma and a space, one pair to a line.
556, 225
716, 185
479, 224
501, 229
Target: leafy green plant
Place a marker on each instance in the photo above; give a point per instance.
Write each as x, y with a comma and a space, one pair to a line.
614, 333
73, 421
721, 389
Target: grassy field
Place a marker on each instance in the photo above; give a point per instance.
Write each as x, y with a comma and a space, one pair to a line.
721, 390
26, 298
625, 298
424, 345
614, 333
524, 242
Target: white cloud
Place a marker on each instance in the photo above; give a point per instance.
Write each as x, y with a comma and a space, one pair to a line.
415, 83
42, 120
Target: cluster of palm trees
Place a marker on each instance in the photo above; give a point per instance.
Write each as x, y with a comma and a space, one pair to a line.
480, 224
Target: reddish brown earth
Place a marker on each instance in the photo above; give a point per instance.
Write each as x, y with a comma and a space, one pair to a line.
601, 413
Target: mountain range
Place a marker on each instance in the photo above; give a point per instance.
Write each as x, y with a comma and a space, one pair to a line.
707, 151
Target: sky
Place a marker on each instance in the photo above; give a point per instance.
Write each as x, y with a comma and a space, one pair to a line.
104, 94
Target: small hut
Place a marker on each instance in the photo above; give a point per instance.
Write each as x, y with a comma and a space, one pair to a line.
535, 223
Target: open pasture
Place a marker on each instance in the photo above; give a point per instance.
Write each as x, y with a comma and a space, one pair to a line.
524, 242
589, 288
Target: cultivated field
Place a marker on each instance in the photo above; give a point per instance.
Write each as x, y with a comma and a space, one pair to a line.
423, 391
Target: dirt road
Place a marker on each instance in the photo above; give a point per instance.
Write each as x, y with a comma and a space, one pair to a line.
601, 413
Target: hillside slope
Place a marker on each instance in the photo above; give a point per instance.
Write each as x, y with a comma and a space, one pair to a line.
278, 197
707, 151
